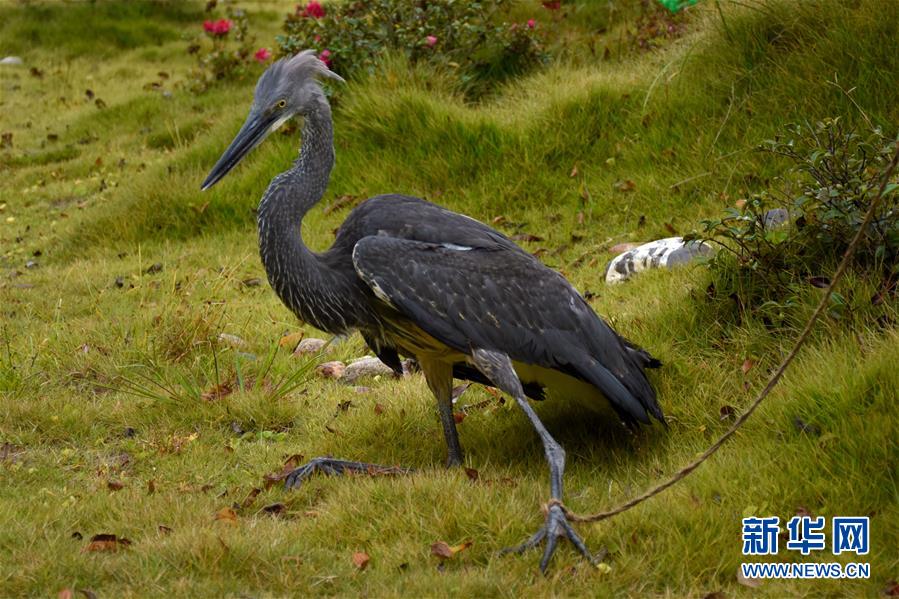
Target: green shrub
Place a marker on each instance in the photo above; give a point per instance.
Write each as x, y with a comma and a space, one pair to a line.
835, 173
468, 37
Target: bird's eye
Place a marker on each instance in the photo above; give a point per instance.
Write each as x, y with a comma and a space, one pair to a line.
282, 103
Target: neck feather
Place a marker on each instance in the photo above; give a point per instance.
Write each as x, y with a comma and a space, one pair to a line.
313, 290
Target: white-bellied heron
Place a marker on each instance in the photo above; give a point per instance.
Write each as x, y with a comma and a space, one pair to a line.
416, 279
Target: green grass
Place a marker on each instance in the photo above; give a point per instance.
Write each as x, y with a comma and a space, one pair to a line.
117, 190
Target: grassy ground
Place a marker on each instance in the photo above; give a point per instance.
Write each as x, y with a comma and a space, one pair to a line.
95, 197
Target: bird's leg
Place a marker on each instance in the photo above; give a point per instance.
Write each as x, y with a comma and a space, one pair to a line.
332, 466
498, 368
440, 379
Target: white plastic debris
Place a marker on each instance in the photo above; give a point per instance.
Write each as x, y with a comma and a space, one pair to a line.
12, 61
666, 253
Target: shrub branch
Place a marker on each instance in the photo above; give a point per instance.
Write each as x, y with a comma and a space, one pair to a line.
772, 382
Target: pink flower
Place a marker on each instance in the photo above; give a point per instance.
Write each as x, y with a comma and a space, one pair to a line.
317, 38
262, 54
531, 23
325, 57
217, 28
431, 41
313, 9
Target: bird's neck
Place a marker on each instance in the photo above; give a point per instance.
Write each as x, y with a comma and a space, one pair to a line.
300, 277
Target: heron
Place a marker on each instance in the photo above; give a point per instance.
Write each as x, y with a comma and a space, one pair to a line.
418, 280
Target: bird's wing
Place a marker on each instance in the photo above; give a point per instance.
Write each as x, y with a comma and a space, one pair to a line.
507, 301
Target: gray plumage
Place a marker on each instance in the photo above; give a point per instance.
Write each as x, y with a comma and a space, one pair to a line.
416, 279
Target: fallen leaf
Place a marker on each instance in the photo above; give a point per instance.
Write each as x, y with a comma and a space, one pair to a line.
154, 268
226, 514
106, 542
275, 509
573, 173
740, 203
251, 497
360, 560
819, 282
163, 529
66, 594
443, 551
892, 589
151, 487
625, 185
472, 474
115, 485
291, 341
223, 389
458, 417
747, 365
290, 464
526, 237
498, 220
379, 409
670, 228
726, 412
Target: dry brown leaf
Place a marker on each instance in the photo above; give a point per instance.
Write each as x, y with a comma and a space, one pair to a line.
573, 173
227, 515
472, 474
106, 542
223, 389
747, 365
151, 487
361, 559
625, 185
251, 497
458, 417
443, 550
275, 509
163, 529
291, 341
290, 464
115, 485
66, 594
526, 237
379, 409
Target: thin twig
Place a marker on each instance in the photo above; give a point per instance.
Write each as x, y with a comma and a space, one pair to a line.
772, 382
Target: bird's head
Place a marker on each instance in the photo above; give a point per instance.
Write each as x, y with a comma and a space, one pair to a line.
289, 87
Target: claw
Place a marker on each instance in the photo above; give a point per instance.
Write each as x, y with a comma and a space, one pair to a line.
331, 466
556, 526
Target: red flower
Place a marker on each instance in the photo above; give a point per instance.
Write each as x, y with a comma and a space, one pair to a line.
217, 28
531, 23
313, 9
552, 4
262, 54
325, 57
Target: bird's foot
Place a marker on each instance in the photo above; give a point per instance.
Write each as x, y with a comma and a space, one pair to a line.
556, 526
331, 466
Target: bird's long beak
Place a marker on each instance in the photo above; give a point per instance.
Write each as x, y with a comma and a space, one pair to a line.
254, 130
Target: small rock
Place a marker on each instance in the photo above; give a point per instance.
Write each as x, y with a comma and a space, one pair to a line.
31, 264
232, 340
309, 346
368, 366
331, 370
776, 217
14, 61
